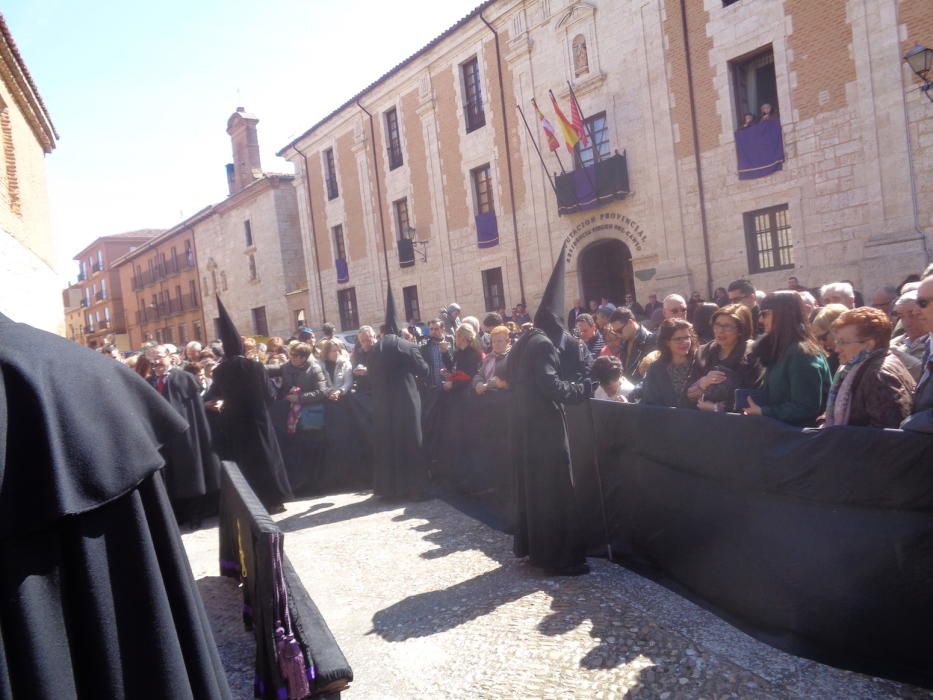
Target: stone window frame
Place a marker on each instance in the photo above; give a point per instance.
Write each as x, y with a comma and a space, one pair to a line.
393, 138
580, 19
397, 215
348, 309
411, 303
474, 81
779, 234
489, 298
483, 204
329, 168
735, 65
339, 240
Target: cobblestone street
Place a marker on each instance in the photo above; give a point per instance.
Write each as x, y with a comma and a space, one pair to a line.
429, 603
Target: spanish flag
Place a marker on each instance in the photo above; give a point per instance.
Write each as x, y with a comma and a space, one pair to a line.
552, 143
570, 134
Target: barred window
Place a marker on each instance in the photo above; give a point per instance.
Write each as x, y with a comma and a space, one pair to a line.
346, 303
769, 239
401, 216
393, 140
472, 95
330, 174
340, 251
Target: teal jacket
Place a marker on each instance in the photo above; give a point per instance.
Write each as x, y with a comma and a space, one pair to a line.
796, 388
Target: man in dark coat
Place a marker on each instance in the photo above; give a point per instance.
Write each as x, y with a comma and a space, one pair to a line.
399, 468
192, 470
97, 599
245, 433
547, 527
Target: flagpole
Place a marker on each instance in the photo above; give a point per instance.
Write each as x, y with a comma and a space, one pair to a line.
556, 154
537, 150
585, 173
588, 127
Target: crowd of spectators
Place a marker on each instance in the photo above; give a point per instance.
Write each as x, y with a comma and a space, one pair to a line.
807, 357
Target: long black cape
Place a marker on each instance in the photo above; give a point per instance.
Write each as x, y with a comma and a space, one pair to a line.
546, 514
191, 467
245, 433
399, 468
96, 594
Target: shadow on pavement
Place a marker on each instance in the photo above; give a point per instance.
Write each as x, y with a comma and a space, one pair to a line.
223, 602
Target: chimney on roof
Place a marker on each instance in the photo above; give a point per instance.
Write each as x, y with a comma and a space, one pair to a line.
241, 126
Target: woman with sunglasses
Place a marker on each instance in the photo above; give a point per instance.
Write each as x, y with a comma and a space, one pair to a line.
797, 377
667, 379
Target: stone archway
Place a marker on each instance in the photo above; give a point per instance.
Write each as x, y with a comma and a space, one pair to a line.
606, 271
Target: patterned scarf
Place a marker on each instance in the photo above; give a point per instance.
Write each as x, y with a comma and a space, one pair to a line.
840, 393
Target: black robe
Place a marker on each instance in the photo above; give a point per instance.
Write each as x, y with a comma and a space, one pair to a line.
399, 468
547, 524
245, 433
192, 469
97, 599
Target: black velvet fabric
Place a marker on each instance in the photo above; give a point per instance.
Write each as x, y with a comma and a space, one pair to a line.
247, 538
97, 599
819, 542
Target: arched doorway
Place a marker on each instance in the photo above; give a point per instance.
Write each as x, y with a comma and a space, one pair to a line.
606, 271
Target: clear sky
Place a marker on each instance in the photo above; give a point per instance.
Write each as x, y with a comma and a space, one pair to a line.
140, 92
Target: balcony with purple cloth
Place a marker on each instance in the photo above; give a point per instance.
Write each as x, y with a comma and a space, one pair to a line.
759, 149
343, 271
592, 186
487, 230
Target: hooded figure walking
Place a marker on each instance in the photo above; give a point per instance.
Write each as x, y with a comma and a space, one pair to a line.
547, 527
245, 433
399, 468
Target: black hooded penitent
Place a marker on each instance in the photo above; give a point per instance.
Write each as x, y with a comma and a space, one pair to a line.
97, 599
245, 434
399, 469
546, 519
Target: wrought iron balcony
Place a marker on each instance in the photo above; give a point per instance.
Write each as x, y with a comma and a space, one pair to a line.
593, 186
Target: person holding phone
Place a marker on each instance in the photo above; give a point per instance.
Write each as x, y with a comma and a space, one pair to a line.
727, 362
797, 379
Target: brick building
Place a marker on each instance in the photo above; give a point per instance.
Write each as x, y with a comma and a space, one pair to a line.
102, 294
29, 284
162, 295
428, 177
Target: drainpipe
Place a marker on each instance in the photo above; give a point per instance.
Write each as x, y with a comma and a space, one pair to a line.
382, 221
317, 257
508, 159
696, 152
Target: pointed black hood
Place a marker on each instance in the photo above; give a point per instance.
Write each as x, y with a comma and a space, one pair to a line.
550, 314
229, 335
392, 327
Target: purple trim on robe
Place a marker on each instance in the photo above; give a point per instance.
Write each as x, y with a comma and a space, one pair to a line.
759, 149
343, 272
487, 230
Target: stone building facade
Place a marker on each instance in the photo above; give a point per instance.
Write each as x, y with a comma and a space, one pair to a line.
435, 151
249, 246
162, 294
101, 289
74, 313
29, 284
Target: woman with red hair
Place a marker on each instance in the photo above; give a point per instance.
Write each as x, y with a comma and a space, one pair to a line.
872, 387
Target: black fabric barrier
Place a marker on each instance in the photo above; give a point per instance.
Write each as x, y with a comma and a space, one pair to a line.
818, 542
247, 541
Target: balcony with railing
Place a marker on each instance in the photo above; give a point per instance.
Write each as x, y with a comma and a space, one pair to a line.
593, 186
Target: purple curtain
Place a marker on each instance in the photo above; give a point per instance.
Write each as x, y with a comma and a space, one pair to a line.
487, 230
343, 272
759, 149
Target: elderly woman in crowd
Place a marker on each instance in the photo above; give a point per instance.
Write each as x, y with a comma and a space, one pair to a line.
299, 414
491, 370
797, 377
667, 380
909, 346
821, 326
872, 386
462, 367
727, 362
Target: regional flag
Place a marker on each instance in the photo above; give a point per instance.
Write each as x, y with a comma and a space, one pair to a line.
552, 143
570, 134
577, 117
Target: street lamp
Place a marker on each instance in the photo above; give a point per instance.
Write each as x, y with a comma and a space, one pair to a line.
920, 60
409, 235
